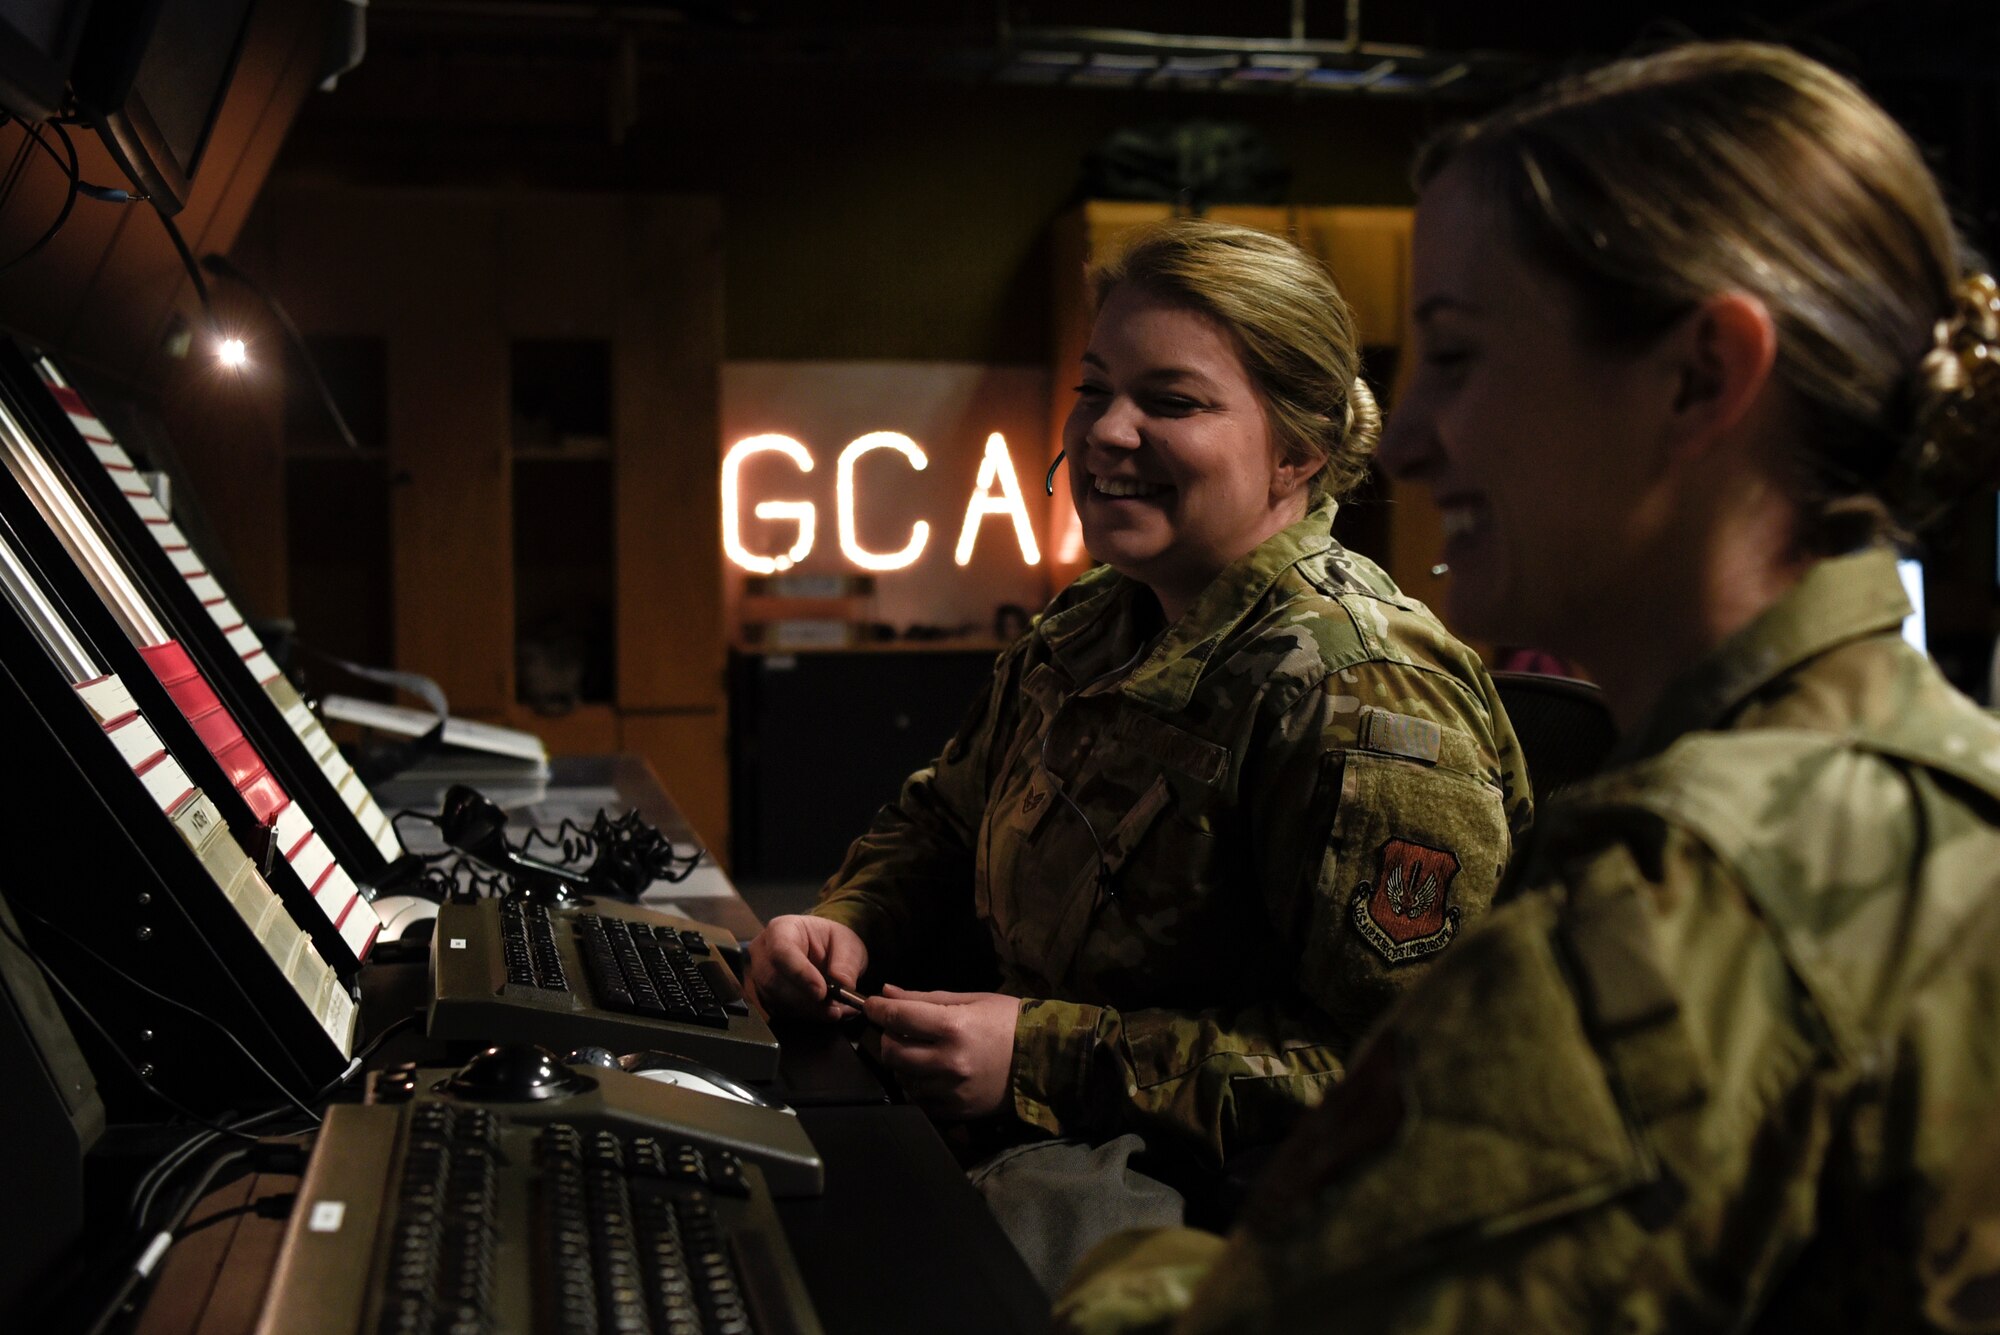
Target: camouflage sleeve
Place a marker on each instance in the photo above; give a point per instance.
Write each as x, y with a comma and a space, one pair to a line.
1546, 1134
905, 885
1136, 1283
1376, 829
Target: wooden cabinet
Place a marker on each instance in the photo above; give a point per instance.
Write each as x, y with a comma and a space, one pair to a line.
502, 510
1368, 252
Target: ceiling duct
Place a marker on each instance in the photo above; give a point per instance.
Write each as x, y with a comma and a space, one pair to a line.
1292, 63
1287, 62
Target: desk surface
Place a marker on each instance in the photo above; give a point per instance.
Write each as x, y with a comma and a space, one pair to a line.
898, 1242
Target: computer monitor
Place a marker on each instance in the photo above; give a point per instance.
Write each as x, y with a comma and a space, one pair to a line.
38, 41
151, 75
1912, 573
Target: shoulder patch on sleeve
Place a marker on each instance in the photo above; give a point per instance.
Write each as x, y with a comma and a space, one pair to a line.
1406, 914
1402, 735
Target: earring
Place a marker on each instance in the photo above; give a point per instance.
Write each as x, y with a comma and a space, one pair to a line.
1049, 482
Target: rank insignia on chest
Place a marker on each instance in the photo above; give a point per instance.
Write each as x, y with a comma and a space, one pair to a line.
1035, 799
1405, 913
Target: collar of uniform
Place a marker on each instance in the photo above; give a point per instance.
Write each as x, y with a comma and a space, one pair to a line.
1166, 680
1086, 636
1842, 598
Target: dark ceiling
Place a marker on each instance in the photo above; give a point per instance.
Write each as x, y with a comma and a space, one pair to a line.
600, 67
1932, 38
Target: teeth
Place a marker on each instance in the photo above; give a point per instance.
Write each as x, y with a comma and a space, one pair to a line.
1112, 486
1459, 520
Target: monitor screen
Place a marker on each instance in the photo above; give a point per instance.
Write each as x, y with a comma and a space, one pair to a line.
1913, 584
38, 41
151, 74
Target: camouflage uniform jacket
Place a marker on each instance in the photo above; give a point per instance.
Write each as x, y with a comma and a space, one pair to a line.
1163, 837
1725, 1055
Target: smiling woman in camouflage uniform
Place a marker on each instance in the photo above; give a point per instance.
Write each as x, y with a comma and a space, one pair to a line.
1225, 800
1698, 341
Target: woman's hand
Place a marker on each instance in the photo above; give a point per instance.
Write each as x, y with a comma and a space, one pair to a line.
953, 1051
792, 958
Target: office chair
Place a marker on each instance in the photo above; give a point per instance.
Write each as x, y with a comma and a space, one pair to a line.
1564, 726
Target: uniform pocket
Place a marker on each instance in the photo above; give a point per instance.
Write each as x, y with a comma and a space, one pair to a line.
1023, 799
1413, 858
1138, 846
1094, 882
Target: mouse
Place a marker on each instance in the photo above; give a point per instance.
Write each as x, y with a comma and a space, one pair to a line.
667, 1069
403, 916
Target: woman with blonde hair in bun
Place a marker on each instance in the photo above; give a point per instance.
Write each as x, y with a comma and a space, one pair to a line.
1699, 346
1226, 798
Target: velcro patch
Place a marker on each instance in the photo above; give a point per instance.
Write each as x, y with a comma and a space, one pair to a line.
1401, 735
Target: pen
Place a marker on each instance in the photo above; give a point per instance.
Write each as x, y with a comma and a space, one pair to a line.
845, 997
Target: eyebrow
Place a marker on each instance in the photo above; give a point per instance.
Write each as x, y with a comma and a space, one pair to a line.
1444, 301
1160, 375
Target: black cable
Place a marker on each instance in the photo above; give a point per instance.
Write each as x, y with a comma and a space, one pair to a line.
156, 1246
270, 1207
165, 1166
413, 813
14, 170
375, 1043
69, 200
181, 1006
220, 1216
102, 193
55, 981
187, 262
148, 1186
150, 1182
34, 134
106, 192
221, 266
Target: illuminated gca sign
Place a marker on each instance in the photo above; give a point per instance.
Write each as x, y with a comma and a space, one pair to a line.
996, 492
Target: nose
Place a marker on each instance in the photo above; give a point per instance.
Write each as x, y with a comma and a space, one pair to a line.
1408, 449
1117, 427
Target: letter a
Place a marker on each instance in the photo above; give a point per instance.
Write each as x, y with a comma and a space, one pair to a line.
997, 466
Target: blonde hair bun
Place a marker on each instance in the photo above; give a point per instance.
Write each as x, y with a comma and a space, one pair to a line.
1954, 444
1364, 419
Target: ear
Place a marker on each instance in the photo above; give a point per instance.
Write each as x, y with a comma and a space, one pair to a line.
1291, 477
1722, 356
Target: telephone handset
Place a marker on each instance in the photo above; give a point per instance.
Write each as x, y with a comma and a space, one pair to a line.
626, 854
475, 825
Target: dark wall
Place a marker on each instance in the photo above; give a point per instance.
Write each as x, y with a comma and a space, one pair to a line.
881, 215
862, 218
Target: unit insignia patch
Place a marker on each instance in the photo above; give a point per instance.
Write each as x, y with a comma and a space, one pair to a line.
1405, 913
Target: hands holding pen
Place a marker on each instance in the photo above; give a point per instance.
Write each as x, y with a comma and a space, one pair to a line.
794, 960
952, 1051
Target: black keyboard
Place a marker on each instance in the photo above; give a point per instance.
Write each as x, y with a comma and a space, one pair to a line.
652, 970
430, 1218
598, 973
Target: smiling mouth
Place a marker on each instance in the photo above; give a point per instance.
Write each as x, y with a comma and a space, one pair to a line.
1126, 488
1459, 517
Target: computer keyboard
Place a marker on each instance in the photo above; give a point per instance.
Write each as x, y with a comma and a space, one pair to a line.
648, 970
596, 972
440, 1218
